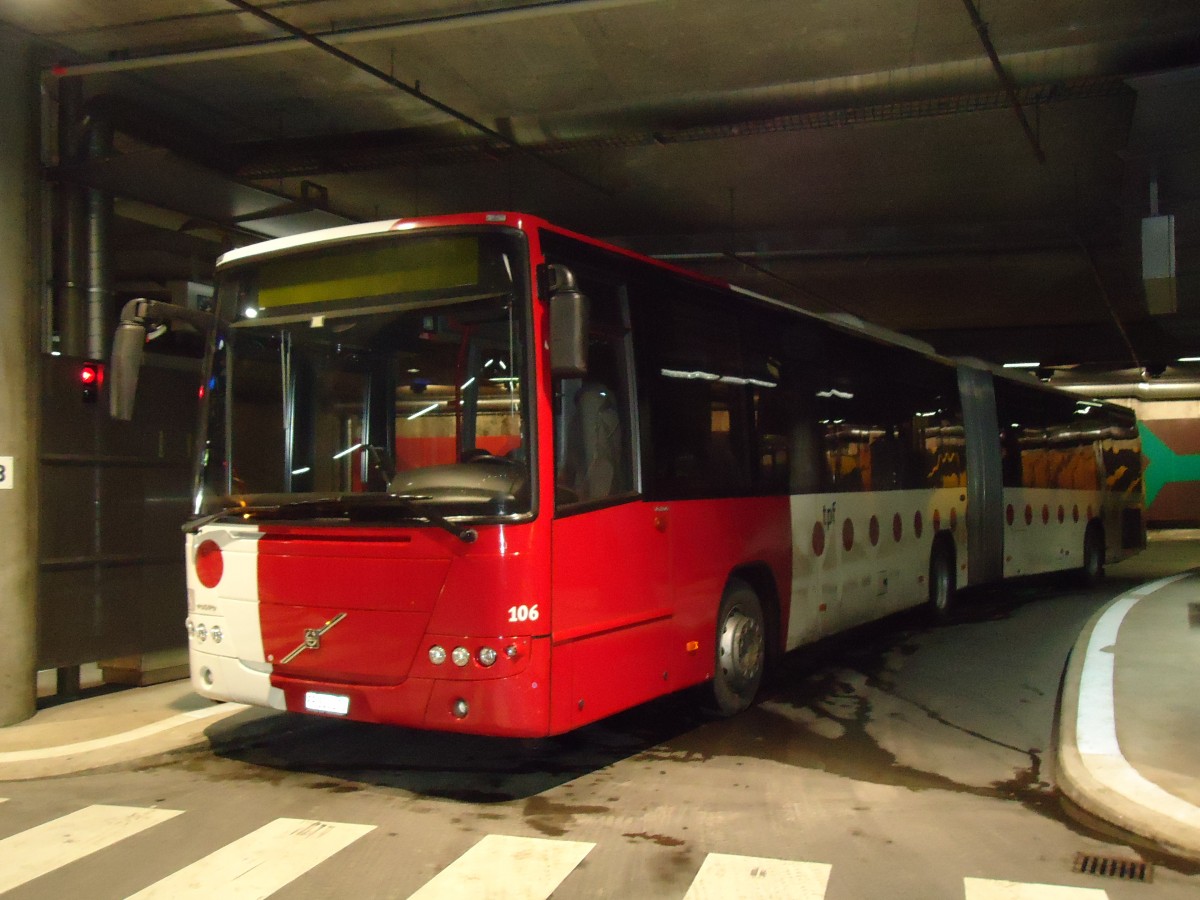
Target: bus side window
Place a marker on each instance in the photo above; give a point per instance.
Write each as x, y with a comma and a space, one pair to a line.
697, 396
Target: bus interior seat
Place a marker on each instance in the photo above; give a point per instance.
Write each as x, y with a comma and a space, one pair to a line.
591, 460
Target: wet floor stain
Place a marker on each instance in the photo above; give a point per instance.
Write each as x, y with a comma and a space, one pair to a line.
334, 787
556, 819
661, 839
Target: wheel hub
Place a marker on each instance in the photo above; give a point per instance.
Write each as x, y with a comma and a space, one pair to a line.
741, 648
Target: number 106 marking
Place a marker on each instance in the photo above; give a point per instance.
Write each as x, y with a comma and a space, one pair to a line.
523, 613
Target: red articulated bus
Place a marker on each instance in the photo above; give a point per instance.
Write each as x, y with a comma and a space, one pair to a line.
478, 473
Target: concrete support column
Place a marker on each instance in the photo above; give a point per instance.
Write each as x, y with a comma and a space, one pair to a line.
19, 359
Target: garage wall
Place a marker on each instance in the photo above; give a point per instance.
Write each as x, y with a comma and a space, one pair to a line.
1171, 446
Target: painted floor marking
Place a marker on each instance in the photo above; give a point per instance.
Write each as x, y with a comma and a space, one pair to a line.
46, 847
1096, 719
758, 878
986, 889
136, 734
512, 868
260, 863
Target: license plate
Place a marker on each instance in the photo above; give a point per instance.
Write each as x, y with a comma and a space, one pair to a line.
334, 704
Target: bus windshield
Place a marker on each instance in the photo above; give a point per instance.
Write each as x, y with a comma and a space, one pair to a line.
378, 380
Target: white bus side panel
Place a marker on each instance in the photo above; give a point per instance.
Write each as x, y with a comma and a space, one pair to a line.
861, 556
233, 668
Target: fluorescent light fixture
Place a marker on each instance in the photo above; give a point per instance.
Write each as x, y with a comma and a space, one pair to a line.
430, 408
1022, 365
303, 471
347, 451
834, 392
689, 376
466, 384
1188, 359
250, 312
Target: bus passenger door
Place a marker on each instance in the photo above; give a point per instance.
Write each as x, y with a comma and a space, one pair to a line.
609, 574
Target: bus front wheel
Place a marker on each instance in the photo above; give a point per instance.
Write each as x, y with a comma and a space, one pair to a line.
741, 649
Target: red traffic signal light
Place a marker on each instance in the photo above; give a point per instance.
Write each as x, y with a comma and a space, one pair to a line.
91, 376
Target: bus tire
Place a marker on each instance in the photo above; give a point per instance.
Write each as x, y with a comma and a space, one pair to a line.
942, 590
741, 650
1092, 570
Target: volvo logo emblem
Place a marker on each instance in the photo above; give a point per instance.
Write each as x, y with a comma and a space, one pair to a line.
312, 639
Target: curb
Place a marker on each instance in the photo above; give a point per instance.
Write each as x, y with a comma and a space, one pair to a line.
1097, 777
174, 733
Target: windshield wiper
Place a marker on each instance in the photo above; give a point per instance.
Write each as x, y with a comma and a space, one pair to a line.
342, 505
194, 525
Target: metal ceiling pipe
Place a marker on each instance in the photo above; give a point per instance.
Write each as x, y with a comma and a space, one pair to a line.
1138, 390
99, 132
356, 35
68, 260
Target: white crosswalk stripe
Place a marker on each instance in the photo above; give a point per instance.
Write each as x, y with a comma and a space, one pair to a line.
260, 863
498, 867
758, 878
507, 868
47, 847
985, 889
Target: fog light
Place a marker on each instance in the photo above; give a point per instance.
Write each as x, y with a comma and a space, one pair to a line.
511, 651
437, 654
201, 632
206, 676
461, 656
461, 708
217, 634
487, 656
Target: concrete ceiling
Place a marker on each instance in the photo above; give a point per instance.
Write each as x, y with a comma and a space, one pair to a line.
858, 156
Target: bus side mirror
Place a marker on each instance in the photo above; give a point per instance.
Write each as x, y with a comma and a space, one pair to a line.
130, 339
569, 316
123, 370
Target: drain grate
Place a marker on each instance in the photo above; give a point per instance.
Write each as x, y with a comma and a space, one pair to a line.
1113, 867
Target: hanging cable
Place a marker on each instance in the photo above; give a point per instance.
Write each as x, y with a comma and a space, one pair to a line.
1006, 81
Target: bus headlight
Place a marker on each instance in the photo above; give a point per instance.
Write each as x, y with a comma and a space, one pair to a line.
461, 656
487, 656
437, 654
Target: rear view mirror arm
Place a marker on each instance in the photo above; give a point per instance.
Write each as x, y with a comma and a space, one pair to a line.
137, 316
